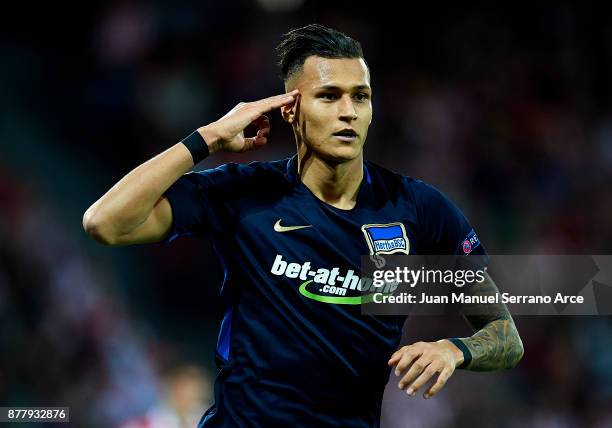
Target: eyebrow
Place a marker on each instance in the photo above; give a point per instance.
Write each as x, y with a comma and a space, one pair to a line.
335, 87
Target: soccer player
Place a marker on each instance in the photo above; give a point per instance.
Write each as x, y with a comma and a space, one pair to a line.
294, 348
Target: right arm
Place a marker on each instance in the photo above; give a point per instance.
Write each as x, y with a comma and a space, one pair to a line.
134, 210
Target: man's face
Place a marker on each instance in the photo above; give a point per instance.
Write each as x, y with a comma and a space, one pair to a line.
335, 96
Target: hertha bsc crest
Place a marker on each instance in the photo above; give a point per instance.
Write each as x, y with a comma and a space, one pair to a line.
387, 238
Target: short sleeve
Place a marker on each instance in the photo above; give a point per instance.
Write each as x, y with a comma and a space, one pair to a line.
443, 228
198, 208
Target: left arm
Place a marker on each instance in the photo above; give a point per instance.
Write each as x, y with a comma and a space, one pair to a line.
495, 345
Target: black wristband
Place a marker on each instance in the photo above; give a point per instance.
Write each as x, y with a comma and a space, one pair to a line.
197, 146
467, 355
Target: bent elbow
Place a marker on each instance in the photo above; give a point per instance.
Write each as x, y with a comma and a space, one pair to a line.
97, 229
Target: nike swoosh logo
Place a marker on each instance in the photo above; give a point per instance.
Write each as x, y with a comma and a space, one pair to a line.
279, 228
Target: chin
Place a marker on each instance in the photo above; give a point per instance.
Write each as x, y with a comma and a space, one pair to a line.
332, 152
341, 154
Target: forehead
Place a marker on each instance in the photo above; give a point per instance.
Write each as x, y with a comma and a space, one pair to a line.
340, 72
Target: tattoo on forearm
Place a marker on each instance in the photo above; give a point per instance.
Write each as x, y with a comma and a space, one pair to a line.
495, 346
496, 343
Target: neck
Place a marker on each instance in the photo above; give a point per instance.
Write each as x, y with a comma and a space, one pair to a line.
334, 183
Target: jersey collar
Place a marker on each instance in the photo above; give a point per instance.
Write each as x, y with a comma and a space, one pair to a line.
292, 168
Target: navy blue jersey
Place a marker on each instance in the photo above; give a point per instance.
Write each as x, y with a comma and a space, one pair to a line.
294, 348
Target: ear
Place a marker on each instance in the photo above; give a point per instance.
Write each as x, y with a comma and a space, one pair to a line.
289, 111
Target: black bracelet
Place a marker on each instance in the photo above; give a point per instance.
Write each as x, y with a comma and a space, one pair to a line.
197, 147
467, 355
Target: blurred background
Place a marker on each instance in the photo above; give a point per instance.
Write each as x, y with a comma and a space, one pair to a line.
507, 109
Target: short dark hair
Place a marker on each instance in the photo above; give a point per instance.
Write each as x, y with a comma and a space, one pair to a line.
313, 39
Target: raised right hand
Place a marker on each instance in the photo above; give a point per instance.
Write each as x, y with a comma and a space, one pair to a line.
227, 133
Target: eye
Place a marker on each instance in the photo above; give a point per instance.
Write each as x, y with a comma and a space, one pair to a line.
328, 96
361, 96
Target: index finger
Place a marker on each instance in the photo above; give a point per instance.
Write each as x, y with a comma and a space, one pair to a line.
276, 101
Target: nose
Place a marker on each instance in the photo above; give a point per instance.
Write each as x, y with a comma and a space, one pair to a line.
346, 109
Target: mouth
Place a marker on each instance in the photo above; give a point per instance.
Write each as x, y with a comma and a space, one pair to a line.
347, 135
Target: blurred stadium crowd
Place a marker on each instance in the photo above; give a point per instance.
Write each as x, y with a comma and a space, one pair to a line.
507, 110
